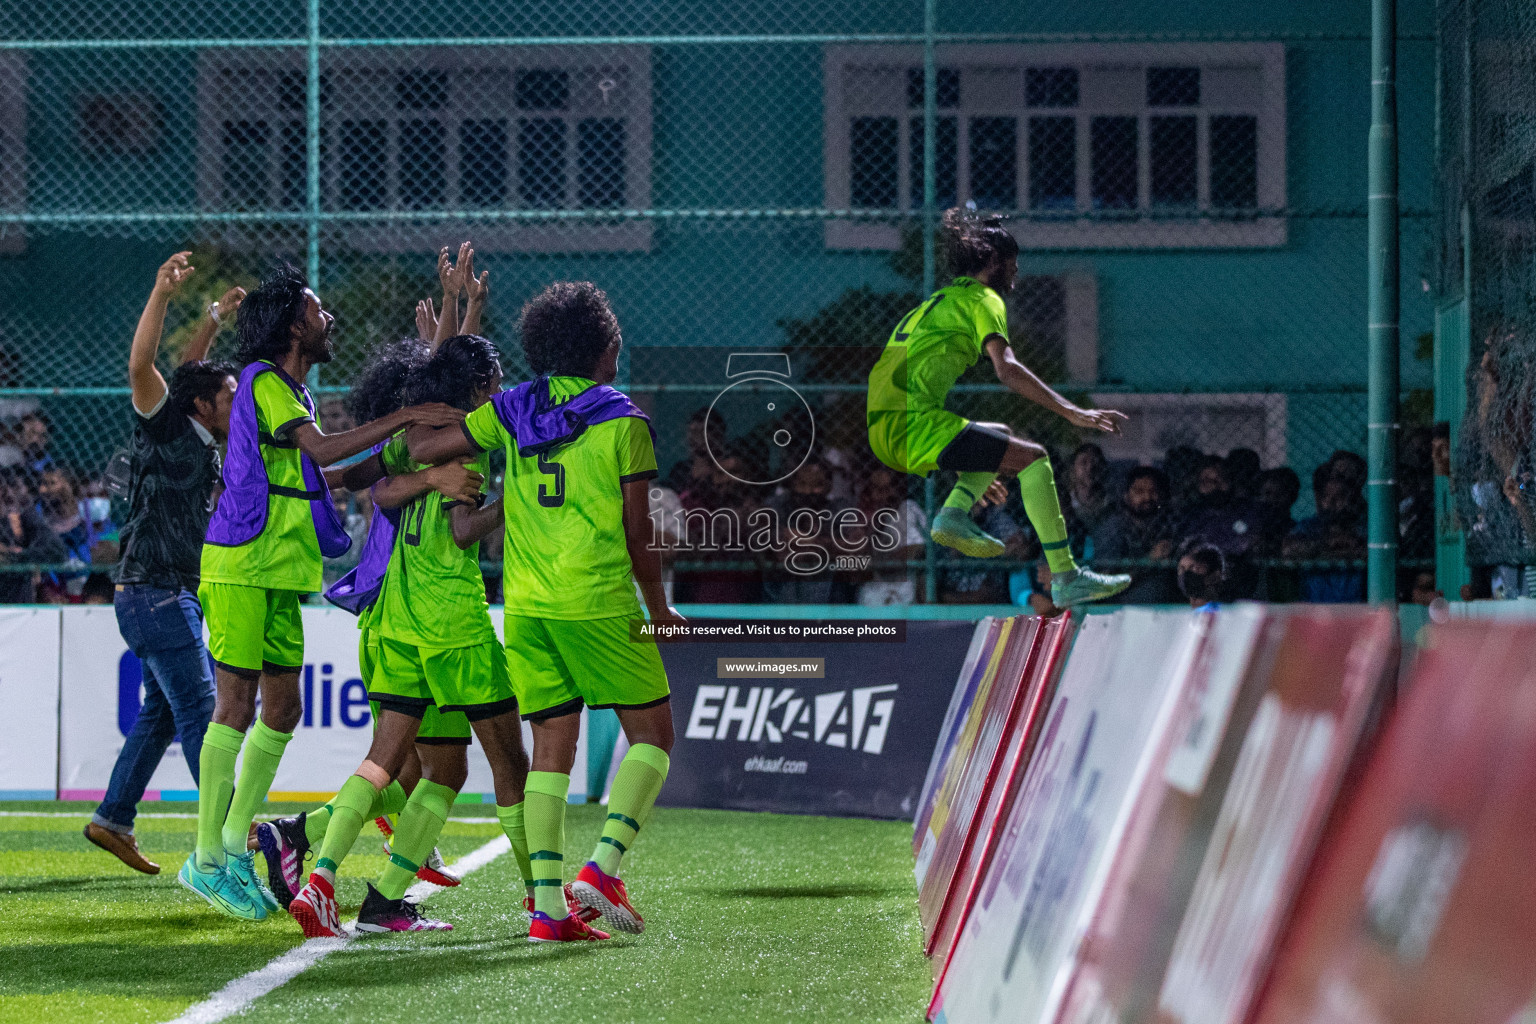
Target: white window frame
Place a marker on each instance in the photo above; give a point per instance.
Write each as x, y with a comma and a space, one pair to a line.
13, 159
220, 99
1062, 230
1137, 441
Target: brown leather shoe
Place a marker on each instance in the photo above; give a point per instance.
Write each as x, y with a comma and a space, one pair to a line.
124, 848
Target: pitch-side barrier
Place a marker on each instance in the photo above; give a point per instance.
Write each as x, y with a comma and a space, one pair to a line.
1234, 818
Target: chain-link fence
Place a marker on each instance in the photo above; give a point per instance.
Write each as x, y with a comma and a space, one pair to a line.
1487, 151
1187, 183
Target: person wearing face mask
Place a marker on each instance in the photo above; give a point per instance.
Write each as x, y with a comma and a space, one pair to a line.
1202, 572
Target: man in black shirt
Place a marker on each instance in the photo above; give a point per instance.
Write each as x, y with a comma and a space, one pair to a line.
171, 493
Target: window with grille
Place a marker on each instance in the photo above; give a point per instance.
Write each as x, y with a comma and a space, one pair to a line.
407, 132
1092, 146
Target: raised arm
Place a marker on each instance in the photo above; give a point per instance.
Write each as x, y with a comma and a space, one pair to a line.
426, 321
476, 290
452, 278
1021, 380
207, 327
472, 525
143, 377
331, 448
643, 556
434, 446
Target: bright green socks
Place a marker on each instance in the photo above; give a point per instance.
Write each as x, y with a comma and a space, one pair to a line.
391, 800
216, 772
635, 788
511, 819
257, 770
421, 822
544, 818
349, 809
315, 823
968, 491
1037, 486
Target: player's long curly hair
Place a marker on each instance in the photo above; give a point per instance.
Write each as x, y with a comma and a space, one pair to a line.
380, 388
463, 367
566, 328
972, 243
266, 317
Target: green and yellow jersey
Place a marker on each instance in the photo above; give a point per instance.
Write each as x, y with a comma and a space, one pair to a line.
285, 555
433, 594
565, 555
924, 357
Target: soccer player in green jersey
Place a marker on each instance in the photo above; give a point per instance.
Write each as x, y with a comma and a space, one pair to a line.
253, 573
287, 842
578, 538
431, 644
911, 431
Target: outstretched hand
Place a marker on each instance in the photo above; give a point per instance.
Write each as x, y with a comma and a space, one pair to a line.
475, 289
432, 414
426, 320
1106, 420
173, 273
452, 275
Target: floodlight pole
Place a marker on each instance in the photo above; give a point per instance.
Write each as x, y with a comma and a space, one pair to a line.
1382, 316
930, 201
312, 161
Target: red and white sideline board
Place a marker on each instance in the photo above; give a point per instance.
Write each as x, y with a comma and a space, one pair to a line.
1111, 698
1421, 908
1199, 779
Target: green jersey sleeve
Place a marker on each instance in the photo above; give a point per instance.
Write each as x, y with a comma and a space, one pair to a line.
484, 428
991, 317
396, 457
278, 410
637, 455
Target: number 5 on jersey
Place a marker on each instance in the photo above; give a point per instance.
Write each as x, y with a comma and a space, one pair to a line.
552, 495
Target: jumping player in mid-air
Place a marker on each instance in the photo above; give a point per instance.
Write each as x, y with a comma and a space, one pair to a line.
580, 459
911, 431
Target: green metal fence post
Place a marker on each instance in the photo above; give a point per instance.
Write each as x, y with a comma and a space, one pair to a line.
1382, 400
312, 159
930, 202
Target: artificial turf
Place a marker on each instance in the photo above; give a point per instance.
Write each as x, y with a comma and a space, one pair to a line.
754, 917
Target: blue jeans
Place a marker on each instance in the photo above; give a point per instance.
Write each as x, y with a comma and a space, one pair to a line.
164, 629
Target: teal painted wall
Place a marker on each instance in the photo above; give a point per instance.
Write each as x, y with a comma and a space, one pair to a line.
741, 127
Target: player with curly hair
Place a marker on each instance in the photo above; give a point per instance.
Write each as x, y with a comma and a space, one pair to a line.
580, 458
911, 431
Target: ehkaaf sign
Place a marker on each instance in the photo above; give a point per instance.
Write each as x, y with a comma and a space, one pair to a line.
812, 726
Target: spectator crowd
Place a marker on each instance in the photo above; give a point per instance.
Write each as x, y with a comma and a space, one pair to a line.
1223, 518
1153, 521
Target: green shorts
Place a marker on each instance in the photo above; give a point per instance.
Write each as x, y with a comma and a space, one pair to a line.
448, 728
557, 665
472, 680
252, 629
911, 442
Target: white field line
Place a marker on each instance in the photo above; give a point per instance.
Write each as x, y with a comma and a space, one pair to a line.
246, 989
173, 814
